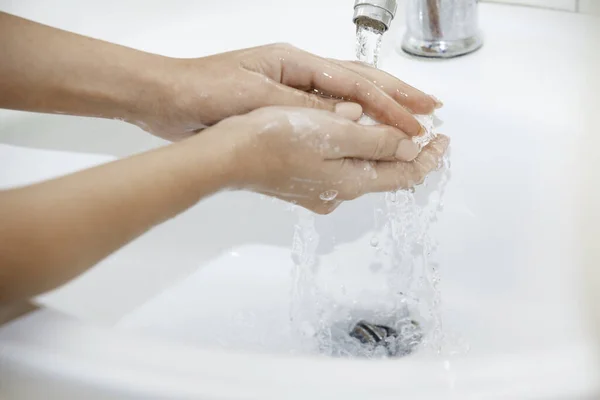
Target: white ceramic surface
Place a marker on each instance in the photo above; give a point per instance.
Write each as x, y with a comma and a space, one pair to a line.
510, 277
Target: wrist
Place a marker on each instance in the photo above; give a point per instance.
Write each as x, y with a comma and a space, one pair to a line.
216, 158
144, 92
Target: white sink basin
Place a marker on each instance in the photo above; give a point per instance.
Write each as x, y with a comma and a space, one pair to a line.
189, 309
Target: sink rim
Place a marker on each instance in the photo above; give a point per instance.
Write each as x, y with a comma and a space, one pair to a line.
113, 360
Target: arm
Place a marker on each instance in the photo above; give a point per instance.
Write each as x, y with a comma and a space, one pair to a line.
48, 70
53, 231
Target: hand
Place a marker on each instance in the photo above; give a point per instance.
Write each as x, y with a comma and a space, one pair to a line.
201, 92
318, 159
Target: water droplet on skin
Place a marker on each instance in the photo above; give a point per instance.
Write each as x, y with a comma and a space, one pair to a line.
327, 75
328, 195
374, 172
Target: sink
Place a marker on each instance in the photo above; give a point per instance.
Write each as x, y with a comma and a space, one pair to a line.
198, 307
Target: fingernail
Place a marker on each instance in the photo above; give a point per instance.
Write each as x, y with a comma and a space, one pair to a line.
438, 102
407, 150
352, 111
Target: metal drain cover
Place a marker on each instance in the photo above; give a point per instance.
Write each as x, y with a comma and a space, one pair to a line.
396, 342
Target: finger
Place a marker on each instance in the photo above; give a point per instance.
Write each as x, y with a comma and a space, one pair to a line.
321, 207
402, 175
277, 94
306, 71
281, 95
380, 142
351, 111
410, 97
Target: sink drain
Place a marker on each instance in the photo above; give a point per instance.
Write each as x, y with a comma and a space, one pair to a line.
396, 342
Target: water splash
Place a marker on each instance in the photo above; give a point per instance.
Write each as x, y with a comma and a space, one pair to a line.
396, 287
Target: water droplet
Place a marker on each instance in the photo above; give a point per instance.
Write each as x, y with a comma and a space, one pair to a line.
374, 241
374, 174
328, 195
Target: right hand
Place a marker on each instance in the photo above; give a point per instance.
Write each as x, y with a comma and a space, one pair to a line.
304, 156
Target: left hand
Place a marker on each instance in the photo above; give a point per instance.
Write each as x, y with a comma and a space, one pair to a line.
201, 92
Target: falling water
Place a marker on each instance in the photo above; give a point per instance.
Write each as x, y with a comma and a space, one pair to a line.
368, 44
402, 229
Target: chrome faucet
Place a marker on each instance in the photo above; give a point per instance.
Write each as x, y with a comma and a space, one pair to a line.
434, 28
441, 28
375, 13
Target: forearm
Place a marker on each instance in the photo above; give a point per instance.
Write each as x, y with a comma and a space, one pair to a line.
53, 231
44, 69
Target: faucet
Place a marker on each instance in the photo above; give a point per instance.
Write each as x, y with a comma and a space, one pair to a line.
441, 28
378, 14
434, 28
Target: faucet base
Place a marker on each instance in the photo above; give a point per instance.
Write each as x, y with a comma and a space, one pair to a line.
441, 48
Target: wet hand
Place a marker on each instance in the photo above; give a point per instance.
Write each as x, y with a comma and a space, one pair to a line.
202, 92
318, 159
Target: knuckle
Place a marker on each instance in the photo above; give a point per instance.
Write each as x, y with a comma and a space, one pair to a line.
384, 147
391, 185
362, 64
283, 46
313, 101
419, 172
324, 209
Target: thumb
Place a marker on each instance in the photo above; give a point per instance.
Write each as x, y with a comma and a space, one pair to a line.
373, 143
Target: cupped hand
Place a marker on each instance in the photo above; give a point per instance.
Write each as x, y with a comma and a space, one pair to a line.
318, 159
202, 92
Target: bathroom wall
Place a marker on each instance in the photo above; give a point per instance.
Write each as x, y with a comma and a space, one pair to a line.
584, 6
